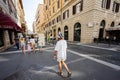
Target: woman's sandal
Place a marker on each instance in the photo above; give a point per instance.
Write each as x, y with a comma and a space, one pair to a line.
69, 74
60, 73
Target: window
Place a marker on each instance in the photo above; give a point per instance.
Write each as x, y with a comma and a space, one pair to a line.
58, 4
50, 23
59, 18
106, 4
65, 0
116, 7
49, 2
10, 8
66, 14
78, 7
74, 9
112, 24
46, 7
53, 9
53, 21
50, 13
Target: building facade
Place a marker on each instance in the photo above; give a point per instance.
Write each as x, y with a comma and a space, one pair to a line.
21, 15
9, 27
39, 19
83, 20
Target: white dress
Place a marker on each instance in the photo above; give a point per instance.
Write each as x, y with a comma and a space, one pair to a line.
61, 47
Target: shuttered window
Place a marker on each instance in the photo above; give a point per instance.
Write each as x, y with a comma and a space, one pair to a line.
106, 4
116, 7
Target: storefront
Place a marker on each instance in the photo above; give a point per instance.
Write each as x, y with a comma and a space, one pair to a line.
114, 34
8, 30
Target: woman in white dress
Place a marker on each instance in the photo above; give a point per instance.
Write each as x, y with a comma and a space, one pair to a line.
60, 53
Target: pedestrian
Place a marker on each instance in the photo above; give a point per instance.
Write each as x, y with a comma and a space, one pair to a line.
40, 45
22, 44
32, 41
17, 42
29, 47
60, 54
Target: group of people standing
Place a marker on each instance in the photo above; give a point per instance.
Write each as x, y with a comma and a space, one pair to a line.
29, 44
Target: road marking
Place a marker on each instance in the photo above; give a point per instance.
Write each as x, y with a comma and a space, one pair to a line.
112, 49
116, 67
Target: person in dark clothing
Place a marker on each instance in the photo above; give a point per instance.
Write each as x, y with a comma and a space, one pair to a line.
17, 42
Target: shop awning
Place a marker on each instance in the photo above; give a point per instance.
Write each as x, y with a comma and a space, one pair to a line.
113, 28
8, 23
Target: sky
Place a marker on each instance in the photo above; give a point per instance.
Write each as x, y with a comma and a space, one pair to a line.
30, 7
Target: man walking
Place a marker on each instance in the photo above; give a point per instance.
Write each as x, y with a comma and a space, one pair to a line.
60, 54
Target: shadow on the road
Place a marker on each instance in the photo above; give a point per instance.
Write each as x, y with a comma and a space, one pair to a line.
63, 77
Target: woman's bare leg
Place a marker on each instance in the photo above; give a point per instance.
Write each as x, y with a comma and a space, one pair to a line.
23, 50
66, 67
34, 48
60, 67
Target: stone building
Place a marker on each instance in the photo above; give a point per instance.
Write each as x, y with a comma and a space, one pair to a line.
39, 19
83, 20
10, 23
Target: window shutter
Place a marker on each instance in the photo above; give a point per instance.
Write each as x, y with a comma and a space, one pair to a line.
102, 4
81, 8
108, 4
74, 9
117, 7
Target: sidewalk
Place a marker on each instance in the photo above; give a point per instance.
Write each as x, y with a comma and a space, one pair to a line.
99, 45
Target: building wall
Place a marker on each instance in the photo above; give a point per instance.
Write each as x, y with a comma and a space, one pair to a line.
90, 18
39, 19
9, 8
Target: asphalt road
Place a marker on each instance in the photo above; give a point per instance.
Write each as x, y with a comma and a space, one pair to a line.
85, 63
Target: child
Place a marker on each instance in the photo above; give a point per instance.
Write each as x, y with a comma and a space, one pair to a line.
29, 47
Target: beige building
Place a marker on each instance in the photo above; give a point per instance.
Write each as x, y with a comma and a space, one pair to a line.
39, 19
39, 24
21, 15
83, 20
10, 23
